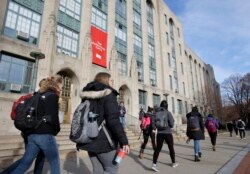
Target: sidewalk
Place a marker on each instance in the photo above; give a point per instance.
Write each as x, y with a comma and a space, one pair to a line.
228, 156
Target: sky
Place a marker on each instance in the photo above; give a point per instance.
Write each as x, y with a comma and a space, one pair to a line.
218, 31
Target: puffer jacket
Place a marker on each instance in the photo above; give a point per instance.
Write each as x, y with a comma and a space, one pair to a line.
196, 134
108, 110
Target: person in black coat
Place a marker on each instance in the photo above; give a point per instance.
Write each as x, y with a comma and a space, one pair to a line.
196, 133
148, 132
100, 152
42, 138
229, 126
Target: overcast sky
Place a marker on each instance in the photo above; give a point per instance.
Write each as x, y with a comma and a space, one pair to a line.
218, 31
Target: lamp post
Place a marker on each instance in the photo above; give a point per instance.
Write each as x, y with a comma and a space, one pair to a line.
37, 56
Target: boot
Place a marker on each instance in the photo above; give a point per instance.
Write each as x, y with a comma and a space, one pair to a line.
141, 153
196, 158
214, 148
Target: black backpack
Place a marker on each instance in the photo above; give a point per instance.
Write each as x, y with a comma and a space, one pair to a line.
193, 122
240, 124
26, 114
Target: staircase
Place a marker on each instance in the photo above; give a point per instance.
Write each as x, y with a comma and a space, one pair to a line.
12, 146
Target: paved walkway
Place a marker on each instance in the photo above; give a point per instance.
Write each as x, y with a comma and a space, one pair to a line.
231, 157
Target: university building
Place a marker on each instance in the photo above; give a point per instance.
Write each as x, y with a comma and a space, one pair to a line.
139, 42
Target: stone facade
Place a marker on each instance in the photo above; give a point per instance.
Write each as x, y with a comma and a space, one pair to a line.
196, 80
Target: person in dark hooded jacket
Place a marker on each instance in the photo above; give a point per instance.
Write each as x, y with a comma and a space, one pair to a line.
42, 138
148, 132
100, 152
196, 134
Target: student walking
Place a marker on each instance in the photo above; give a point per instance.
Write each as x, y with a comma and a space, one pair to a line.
212, 126
43, 137
229, 127
241, 127
100, 152
195, 131
163, 122
146, 127
235, 128
122, 112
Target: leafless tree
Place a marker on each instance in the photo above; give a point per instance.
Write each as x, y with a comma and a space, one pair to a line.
236, 92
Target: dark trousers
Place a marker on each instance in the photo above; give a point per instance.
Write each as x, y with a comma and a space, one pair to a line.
213, 137
146, 135
168, 138
242, 133
236, 130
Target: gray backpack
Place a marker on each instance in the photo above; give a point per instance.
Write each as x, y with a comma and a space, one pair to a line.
84, 126
161, 119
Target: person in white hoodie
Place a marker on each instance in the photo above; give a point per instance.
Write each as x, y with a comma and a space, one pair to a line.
241, 127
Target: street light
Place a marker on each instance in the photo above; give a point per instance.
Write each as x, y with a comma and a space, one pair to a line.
37, 56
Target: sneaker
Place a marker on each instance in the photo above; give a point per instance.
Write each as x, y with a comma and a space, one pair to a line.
175, 165
154, 168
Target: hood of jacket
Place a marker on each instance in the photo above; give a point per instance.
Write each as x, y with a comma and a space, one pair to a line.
158, 109
96, 90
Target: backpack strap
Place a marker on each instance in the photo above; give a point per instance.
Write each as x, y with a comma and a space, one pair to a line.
106, 132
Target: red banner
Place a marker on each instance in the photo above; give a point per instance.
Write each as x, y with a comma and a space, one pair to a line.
99, 46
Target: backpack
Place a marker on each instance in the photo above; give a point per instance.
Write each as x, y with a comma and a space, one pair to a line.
211, 127
193, 122
145, 123
25, 112
161, 121
16, 103
84, 126
240, 124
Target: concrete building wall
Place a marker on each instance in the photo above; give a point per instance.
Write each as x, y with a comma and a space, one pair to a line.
80, 69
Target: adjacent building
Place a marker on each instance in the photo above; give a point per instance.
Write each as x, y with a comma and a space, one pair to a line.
139, 42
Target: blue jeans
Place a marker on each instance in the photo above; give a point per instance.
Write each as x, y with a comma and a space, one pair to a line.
122, 121
196, 147
38, 165
36, 142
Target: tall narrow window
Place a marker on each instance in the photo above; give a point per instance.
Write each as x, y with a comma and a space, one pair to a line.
173, 105
171, 82
142, 99
156, 100
167, 38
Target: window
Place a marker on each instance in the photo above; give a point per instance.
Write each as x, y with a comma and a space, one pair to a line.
121, 8
179, 106
140, 71
67, 41
178, 31
122, 64
180, 49
186, 107
142, 98
121, 31
71, 8
156, 100
184, 89
22, 23
150, 30
169, 60
173, 106
137, 41
152, 75
99, 18
166, 19
171, 82
151, 51
14, 70
167, 38
137, 18
182, 69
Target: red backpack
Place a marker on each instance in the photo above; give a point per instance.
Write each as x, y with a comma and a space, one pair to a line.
17, 102
211, 126
145, 123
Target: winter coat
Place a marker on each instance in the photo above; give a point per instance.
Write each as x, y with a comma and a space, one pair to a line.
210, 117
108, 110
48, 107
196, 134
170, 121
148, 131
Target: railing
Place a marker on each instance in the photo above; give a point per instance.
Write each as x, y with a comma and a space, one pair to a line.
133, 123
